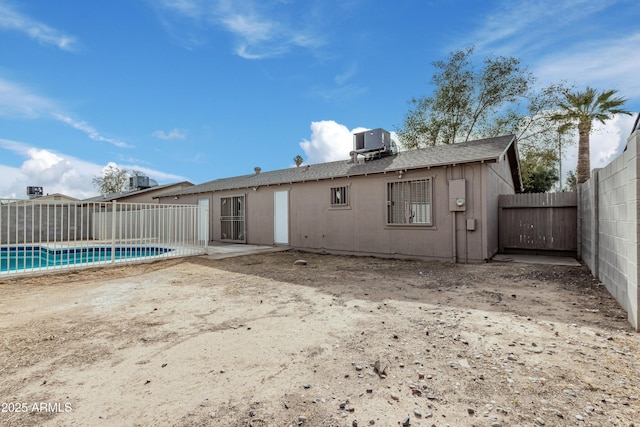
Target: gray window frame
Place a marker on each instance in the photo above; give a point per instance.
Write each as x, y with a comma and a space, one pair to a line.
408, 200
343, 198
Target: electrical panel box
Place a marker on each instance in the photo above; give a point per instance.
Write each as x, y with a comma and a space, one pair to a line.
471, 224
457, 195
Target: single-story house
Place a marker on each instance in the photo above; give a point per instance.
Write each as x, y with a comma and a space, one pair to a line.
141, 195
53, 198
436, 203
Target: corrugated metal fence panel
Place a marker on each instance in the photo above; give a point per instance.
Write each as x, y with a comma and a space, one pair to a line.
538, 222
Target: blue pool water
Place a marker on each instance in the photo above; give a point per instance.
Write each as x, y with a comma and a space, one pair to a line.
19, 258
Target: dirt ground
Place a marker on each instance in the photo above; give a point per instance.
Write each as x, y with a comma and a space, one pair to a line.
341, 341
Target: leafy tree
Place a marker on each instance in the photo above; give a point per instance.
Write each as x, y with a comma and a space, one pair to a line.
496, 99
580, 109
533, 127
298, 160
113, 180
538, 168
467, 102
572, 182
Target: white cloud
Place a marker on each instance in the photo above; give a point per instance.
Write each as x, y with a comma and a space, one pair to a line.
89, 130
58, 172
343, 89
258, 33
55, 172
250, 28
173, 134
11, 19
330, 141
17, 102
515, 26
606, 143
344, 92
345, 76
188, 8
570, 46
605, 64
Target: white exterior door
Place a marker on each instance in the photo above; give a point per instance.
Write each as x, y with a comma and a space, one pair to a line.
203, 220
281, 218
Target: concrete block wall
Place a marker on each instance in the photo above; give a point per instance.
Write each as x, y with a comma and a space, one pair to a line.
587, 213
609, 231
35, 223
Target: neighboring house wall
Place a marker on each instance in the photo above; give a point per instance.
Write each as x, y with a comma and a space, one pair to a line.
52, 198
29, 222
149, 195
138, 198
609, 227
360, 227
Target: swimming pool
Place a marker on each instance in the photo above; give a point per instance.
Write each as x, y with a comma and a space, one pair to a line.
31, 257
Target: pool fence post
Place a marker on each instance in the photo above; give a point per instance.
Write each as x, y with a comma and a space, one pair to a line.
113, 232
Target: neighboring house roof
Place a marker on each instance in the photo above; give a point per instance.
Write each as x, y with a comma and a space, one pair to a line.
49, 198
483, 150
125, 194
55, 197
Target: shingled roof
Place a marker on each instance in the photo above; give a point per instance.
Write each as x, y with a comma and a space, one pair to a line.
125, 194
482, 150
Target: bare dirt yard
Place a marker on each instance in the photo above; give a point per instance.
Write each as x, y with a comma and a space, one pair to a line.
341, 341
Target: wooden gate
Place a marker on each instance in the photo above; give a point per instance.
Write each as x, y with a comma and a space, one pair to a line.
538, 223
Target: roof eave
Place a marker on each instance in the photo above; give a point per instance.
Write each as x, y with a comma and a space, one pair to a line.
514, 161
297, 181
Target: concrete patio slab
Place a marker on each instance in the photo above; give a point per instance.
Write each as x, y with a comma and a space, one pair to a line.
220, 251
537, 259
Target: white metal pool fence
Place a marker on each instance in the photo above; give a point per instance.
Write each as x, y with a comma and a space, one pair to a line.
163, 230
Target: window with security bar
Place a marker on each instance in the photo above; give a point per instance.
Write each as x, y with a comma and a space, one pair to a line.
409, 202
339, 196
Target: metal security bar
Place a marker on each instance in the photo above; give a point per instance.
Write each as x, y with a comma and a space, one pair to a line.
232, 219
39, 235
409, 202
339, 196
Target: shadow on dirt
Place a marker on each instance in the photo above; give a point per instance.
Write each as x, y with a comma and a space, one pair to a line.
543, 292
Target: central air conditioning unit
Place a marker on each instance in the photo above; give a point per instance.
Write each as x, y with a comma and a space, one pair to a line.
34, 192
373, 144
138, 182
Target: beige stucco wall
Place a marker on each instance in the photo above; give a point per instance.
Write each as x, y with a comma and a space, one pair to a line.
361, 227
498, 179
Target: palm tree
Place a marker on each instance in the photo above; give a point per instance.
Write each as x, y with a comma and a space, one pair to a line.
580, 109
298, 160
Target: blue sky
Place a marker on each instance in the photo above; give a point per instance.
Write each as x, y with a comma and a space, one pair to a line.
203, 89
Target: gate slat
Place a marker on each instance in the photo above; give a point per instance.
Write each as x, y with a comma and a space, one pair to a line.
538, 222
